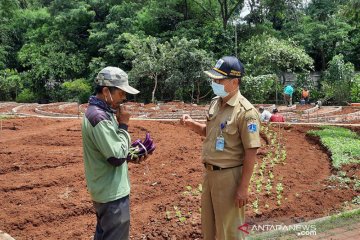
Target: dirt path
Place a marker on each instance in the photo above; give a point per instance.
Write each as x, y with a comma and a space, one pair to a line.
43, 191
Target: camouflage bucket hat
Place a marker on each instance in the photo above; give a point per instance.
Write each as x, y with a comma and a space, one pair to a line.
115, 77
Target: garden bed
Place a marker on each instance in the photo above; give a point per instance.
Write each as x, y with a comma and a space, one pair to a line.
44, 192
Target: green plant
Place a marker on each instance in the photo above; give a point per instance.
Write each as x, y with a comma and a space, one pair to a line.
268, 187
283, 155
356, 200
279, 190
341, 142
179, 215
26, 96
356, 184
193, 191
338, 80
355, 89
78, 90
258, 185
258, 88
255, 206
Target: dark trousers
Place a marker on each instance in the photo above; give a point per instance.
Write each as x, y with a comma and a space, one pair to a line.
113, 220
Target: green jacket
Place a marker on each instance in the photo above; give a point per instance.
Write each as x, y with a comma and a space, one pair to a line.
105, 148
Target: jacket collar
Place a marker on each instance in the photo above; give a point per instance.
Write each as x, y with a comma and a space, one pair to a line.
93, 100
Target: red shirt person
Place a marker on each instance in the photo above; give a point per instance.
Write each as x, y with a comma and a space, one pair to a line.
276, 116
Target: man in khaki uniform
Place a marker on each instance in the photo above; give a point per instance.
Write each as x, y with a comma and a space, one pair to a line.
229, 152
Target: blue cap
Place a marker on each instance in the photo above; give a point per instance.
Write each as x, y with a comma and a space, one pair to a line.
226, 67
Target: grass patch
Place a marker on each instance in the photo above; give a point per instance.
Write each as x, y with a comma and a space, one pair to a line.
341, 142
2, 117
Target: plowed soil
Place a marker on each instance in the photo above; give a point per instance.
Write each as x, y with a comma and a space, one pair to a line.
43, 190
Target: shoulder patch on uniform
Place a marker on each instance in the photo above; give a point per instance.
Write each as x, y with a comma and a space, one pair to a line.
252, 127
250, 118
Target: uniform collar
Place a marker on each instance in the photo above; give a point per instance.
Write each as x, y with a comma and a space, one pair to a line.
234, 100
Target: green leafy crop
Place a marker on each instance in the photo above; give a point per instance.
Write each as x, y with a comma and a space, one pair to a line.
341, 142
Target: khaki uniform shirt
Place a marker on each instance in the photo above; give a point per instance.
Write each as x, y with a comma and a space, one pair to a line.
241, 131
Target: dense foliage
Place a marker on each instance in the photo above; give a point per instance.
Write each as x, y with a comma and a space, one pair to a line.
52, 49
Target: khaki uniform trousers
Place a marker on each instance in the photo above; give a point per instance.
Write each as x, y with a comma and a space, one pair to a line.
220, 217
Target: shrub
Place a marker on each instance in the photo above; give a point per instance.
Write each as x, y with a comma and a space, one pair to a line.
26, 96
258, 89
338, 80
355, 89
78, 90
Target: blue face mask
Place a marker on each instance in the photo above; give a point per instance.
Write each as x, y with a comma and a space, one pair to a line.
219, 89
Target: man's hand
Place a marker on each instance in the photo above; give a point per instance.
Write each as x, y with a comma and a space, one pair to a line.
241, 197
122, 115
197, 127
185, 119
140, 159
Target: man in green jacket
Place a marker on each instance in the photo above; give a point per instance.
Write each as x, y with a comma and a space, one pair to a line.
106, 143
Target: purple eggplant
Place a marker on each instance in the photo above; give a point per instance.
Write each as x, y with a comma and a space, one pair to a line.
147, 139
150, 150
148, 144
136, 143
140, 148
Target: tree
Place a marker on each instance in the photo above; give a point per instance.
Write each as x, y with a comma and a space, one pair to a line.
55, 49
7, 10
276, 11
350, 13
321, 39
267, 55
110, 22
338, 80
148, 59
228, 8
157, 17
51, 62
172, 76
188, 68
322, 10
225, 9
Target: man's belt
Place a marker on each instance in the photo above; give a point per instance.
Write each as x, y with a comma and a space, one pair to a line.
211, 167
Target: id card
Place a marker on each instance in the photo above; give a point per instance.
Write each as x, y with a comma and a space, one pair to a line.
220, 143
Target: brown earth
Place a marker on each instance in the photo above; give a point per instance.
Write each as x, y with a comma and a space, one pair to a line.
43, 191
65, 108
347, 110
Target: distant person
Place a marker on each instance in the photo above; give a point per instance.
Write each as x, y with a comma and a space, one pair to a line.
305, 94
265, 115
229, 152
106, 143
276, 116
288, 92
319, 104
